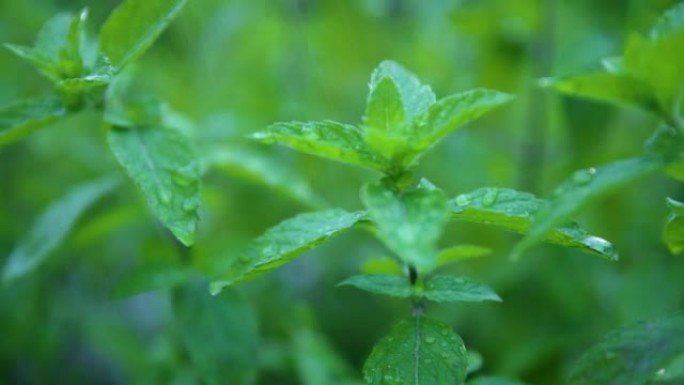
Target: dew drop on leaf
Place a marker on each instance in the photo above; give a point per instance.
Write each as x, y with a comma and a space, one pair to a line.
430, 340
463, 200
600, 245
190, 205
164, 196
584, 176
490, 198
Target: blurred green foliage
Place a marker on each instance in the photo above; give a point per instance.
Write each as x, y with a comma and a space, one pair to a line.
230, 68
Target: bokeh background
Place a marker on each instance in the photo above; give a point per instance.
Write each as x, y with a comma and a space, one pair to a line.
231, 67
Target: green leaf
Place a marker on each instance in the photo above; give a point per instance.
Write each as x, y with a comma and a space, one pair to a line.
262, 169
53, 226
671, 22
409, 224
20, 118
415, 96
583, 187
460, 252
515, 211
384, 109
488, 380
219, 333
332, 140
317, 362
152, 276
391, 285
285, 241
673, 373
449, 288
133, 26
605, 87
382, 265
45, 65
450, 113
673, 234
417, 351
633, 355
163, 165
475, 362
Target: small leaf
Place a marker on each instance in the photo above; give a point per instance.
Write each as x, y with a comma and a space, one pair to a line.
488, 380
382, 265
409, 224
449, 288
332, 140
515, 211
633, 355
673, 234
610, 88
460, 252
163, 165
45, 65
385, 119
219, 334
474, 362
53, 226
390, 285
285, 241
133, 26
415, 96
152, 276
417, 351
20, 118
582, 188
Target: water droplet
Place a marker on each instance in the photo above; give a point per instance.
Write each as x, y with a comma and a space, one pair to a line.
430, 340
190, 205
584, 176
600, 245
164, 196
463, 200
388, 377
490, 198
445, 332
660, 372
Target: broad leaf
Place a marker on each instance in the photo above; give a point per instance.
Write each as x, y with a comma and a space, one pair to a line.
487, 380
449, 288
582, 188
53, 226
460, 252
219, 334
163, 165
332, 140
410, 223
285, 241
607, 87
20, 118
417, 351
673, 234
415, 96
152, 276
634, 355
133, 26
391, 285
515, 211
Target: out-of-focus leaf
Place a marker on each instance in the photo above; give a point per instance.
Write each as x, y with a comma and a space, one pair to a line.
256, 167
633, 355
415, 96
672, 21
133, 26
579, 190
515, 211
317, 362
53, 226
285, 241
332, 140
487, 380
219, 333
417, 351
409, 224
383, 265
150, 277
449, 288
673, 234
162, 163
606, 87
20, 118
461, 252
391, 285
672, 374
474, 362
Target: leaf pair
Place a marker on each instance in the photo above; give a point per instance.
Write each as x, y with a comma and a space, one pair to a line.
402, 121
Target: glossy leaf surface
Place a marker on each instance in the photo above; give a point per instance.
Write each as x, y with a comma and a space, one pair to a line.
391, 285
673, 234
449, 288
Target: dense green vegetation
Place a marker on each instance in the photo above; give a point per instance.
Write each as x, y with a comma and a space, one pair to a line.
153, 231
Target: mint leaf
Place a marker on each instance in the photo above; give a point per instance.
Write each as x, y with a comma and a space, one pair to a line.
633, 355
673, 234
133, 26
20, 118
219, 334
385, 119
53, 226
460, 252
417, 351
391, 285
582, 188
515, 211
449, 288
328, 139
285, 241
163, 165
415, 96
409, 223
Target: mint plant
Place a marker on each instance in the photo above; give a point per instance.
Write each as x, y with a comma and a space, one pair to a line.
402, 122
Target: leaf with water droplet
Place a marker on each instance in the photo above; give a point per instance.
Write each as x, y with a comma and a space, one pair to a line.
154, 157
284, 242
391, 285
450, 288
53, 226
409, 354
673, 233
632, 355
573, 195
514, 211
